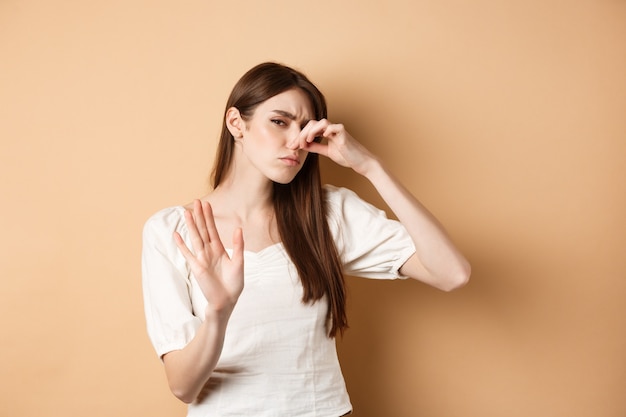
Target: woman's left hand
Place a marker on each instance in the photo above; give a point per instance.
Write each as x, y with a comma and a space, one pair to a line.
339, 146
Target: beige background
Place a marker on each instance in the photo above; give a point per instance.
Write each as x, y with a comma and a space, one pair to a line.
506, 118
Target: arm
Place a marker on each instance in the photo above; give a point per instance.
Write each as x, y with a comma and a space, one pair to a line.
188, 369
221, 280
436, 261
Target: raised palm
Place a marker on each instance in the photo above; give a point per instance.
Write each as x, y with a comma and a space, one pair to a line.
220, 276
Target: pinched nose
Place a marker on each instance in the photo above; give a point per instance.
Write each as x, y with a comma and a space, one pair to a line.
296, 139
294, 143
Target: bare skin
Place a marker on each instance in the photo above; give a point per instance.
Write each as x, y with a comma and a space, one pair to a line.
272, 146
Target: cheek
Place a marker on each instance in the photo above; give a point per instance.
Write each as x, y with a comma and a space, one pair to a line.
268, 136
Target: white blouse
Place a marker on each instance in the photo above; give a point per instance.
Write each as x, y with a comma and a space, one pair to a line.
277, 359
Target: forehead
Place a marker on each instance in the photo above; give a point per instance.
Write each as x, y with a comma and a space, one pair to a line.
294, 101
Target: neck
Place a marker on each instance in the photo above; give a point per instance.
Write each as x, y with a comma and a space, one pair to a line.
243, 192
241, 198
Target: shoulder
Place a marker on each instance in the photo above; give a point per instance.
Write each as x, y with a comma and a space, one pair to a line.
342, 201
165, 222
338, 195
346, 212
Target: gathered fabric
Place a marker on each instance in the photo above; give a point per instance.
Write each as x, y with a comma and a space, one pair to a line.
277, 359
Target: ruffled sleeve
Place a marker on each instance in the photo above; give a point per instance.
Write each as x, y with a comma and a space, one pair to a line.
166, 283
370, 244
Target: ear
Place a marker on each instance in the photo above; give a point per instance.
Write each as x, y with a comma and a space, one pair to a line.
235, 123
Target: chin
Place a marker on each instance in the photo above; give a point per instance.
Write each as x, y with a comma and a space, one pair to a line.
282, 181
283, 176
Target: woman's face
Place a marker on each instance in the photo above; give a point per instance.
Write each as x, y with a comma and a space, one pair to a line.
274, 124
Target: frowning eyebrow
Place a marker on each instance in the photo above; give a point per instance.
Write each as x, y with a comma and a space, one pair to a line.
289, 115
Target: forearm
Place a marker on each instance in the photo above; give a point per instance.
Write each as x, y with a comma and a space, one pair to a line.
190, 368
437, 261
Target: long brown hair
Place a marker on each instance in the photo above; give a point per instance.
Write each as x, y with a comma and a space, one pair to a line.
300, 205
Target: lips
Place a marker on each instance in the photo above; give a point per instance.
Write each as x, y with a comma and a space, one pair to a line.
290, 160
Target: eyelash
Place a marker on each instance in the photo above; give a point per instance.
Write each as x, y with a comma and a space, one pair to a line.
279, 122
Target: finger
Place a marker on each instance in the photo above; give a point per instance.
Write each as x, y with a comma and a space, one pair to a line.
317, 131
196, 241
209, 222
237, 256
308, 134
318, 148
297, 141
180, 243
333, 130
199, 217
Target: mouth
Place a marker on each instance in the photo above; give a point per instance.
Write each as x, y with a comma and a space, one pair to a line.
291, 161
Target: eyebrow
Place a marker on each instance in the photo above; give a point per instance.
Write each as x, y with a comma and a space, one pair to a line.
289, 115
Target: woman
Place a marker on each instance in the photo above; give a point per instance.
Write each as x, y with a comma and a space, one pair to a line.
248, 330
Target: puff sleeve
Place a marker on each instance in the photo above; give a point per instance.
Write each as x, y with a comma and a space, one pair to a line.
166, 282
370, 244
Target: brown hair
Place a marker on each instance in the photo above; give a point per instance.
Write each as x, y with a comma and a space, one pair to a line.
300, 205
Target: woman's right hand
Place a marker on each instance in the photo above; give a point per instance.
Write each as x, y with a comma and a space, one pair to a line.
220, 276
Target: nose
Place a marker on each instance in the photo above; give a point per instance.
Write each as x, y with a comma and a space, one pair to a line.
294, 141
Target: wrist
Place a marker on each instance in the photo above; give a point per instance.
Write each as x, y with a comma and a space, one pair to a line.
372, 169
217, 317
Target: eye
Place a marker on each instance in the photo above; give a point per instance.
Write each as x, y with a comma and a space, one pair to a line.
278, 122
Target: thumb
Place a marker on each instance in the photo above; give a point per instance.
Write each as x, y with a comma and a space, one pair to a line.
319, 148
